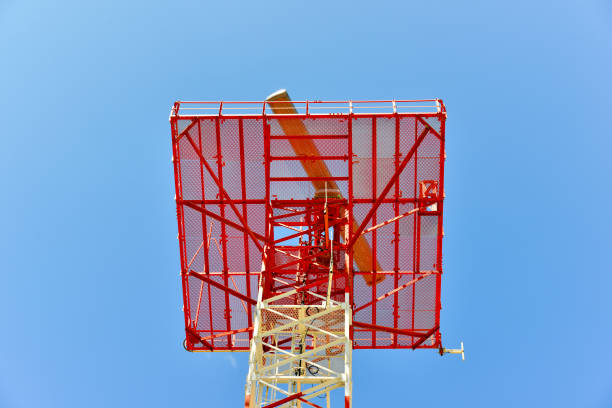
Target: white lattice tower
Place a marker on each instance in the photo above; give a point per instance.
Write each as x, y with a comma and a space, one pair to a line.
299, 353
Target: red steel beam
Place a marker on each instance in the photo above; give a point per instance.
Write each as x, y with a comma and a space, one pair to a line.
205, 243
284, 400
220, 286
348, 255
387, 188
280, 267
187, 129
220, 219
180, 219
396, 232
299, 202
425, 336
440, 226
374, 221
312, 404
431, 129
376, 327
195, 337
309, 157
289, 214
397, 218
227, 333
223, 225
321, 116
306, 101
316, 227
311, 284
415, 245
309, 178
309, 136
247, 264
248, 201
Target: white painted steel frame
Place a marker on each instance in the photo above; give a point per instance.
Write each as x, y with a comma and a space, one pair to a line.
276, 375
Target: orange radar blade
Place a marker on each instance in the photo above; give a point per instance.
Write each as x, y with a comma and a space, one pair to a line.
362, 253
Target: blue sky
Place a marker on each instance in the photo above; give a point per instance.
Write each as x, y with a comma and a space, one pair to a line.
90, 301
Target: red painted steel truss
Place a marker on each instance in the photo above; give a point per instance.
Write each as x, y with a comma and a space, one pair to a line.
272, 196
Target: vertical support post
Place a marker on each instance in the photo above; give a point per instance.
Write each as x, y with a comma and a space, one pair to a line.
205, 241
269, 213
415, 225
396, 232
203, 224
349, 227
179, 213
247, 266
227, 310
374, 222
442, 118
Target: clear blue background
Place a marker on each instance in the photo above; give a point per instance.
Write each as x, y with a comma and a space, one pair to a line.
90, 302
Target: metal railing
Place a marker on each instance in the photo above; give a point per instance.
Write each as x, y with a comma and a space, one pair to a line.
308, 108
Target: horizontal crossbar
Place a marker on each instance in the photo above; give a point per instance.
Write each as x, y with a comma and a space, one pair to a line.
228, 333
308, 178
283, 158
309, 136
309, 230
393, 330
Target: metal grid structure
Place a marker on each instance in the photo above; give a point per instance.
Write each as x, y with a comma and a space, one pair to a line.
319, 358
313, 198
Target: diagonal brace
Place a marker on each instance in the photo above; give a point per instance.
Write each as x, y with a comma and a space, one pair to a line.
391, 329
382, 224
425, 337
284, 400
431, 129
302, 356
386, 295
218, 285
187, 129
298, 260
224, 193
221, 219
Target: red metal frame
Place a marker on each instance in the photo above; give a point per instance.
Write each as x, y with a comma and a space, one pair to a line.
248, 214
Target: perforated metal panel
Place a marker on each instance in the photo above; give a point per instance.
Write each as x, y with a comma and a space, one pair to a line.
232, 171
